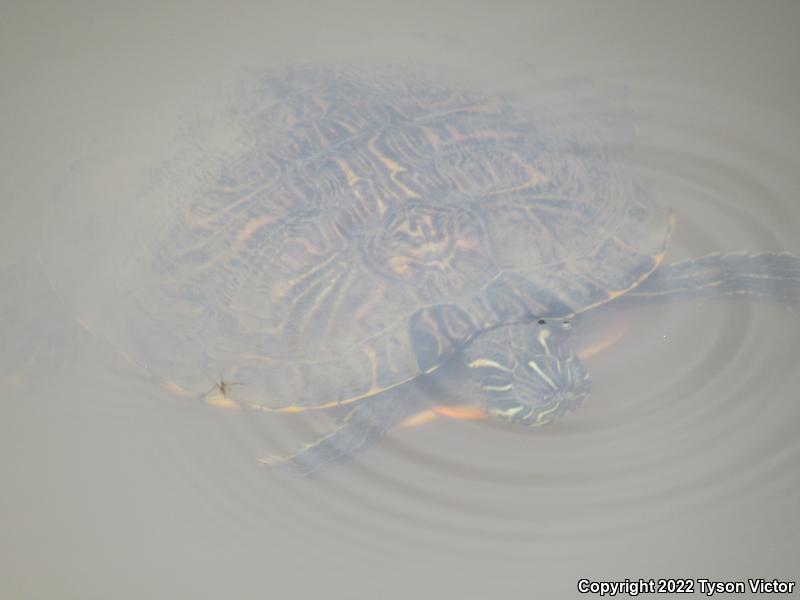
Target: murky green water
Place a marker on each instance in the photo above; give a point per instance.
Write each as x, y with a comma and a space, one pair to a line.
682, 462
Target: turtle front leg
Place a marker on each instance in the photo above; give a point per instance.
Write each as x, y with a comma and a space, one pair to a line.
369, 420
770, 277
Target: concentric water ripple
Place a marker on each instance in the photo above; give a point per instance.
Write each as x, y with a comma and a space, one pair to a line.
693, 405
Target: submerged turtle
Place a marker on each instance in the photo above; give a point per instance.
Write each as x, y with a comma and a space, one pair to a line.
374, 240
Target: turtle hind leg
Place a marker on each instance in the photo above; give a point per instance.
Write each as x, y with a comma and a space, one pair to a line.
770, 277
369, 420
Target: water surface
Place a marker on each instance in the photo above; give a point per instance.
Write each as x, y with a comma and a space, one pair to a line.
682, 463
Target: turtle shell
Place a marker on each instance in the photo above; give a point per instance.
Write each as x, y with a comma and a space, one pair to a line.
366, 226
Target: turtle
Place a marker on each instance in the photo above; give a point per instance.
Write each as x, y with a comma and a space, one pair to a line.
379, 240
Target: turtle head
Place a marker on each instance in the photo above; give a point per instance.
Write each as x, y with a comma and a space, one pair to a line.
526, 373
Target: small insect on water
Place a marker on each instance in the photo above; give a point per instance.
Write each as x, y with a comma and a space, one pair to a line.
221, 386
218, 394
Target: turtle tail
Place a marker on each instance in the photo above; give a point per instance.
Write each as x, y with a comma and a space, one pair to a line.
363, 426
770, 277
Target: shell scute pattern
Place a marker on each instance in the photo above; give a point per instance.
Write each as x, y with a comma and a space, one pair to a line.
372, 225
